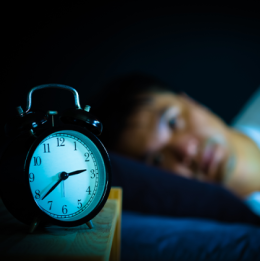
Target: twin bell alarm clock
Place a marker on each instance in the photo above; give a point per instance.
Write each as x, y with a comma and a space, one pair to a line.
51, 174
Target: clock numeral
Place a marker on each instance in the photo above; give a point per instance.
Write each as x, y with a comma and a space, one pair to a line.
46, 148
79, 203
60, 142
37, 194
50, 204
87, 156
75, 145
31, 177
88, 190
64, 209
37, 161
93, 173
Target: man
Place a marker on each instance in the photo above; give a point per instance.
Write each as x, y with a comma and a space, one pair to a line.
152, 124
169, 145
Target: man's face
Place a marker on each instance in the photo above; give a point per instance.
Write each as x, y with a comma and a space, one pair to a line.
177, 134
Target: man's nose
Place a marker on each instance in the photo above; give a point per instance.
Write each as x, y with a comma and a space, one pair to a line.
185, 146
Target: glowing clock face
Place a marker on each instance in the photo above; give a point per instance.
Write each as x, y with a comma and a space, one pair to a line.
67, 175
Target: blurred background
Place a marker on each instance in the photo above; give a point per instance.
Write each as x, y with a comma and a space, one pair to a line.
211, 52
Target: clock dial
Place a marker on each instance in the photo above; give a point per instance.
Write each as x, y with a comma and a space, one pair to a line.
67, 175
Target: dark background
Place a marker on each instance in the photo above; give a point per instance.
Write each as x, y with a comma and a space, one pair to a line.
211, 52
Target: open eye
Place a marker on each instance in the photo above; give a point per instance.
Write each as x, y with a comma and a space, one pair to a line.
154, 159
172, 123
170, 117
157, 160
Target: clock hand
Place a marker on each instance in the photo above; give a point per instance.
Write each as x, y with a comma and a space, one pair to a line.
62, 176
63, 188
76, 172
52, 188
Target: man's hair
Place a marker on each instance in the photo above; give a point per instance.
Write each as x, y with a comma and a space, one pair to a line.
118, 99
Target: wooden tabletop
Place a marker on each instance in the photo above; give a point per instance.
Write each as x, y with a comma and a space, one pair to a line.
54, 243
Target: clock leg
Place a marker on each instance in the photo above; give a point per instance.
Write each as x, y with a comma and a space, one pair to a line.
34, 225
90, 224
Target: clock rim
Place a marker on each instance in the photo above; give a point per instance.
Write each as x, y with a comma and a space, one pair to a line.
41, 215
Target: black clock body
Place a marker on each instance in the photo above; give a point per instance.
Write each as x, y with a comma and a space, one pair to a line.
14, 186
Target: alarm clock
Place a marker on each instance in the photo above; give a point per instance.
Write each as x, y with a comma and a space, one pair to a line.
51, 174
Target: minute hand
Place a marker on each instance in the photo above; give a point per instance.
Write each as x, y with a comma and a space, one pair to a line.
52, 188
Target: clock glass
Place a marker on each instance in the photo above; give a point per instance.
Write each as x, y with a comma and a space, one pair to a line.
67, 175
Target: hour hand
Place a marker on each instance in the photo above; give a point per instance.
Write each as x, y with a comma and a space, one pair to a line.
76, 172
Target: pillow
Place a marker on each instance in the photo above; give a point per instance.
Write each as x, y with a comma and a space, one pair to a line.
153, 191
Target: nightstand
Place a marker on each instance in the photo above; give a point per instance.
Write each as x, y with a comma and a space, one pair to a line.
56, 243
